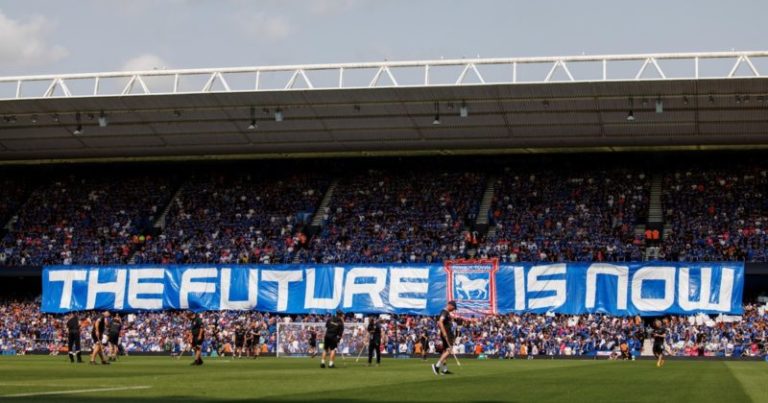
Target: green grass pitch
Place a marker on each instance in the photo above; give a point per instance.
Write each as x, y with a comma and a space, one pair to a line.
301, 379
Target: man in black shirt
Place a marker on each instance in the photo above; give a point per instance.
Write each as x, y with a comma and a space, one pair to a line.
374, 341
424, 345
334, 328
99, 335
113, 337
445, 326
73, 338
659, 334
240, 341
252, 340
196, 337
312, 343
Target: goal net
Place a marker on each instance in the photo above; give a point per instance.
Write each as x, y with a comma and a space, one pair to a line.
293, 338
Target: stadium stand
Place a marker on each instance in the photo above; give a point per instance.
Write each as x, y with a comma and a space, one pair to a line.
566, 215
86, 218
418, 211
408, 216
231, 217
716, 214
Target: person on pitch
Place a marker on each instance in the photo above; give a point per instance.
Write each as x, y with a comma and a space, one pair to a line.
73, 338
334, 329
251, 340
445, 326
312, 343
262, 338
99, 335
374, 341
196, 337
659, 335
424, 341
113, 336
240, 341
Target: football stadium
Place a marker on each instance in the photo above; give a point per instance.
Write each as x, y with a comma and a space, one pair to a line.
586, 227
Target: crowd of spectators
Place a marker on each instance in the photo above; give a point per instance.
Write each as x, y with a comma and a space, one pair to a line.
405, 213
14, 191
409, 216
85, 219
716, 214
562, 215
237, 218
24, 329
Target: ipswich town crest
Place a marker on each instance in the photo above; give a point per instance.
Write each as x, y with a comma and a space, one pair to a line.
472, 284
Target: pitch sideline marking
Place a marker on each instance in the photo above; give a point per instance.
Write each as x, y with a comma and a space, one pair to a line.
69, 392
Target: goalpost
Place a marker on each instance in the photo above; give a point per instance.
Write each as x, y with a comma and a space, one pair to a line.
293, 338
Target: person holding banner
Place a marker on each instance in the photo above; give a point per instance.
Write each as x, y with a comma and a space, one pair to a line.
659, 335
196, 337
334, 329
445, 325
99, 338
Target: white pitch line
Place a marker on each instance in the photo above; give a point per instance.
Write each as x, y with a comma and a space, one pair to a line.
70, 392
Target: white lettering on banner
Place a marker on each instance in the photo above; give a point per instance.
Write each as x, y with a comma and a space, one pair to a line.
519, 288
117, 288
197, 287
283, 278
252, 290
622, 280
685, 288
397, 287
556, 285
726, 291
662, 273
310, 302
374, 290
68, 277
136, 288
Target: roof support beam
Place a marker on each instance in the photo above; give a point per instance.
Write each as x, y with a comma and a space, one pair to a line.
408, 71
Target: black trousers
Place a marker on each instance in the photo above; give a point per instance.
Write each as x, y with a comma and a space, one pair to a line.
73, 342
73, 345
374, 346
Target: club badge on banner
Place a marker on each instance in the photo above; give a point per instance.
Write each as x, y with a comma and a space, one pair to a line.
472, 284
479, 286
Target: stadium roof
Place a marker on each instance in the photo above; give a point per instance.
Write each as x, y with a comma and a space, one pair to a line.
389, 108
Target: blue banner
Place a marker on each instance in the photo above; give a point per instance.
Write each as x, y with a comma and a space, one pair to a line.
479, 287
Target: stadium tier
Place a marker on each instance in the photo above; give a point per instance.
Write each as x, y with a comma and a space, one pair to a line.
382, 216
569, 215
232, 217
420, 210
